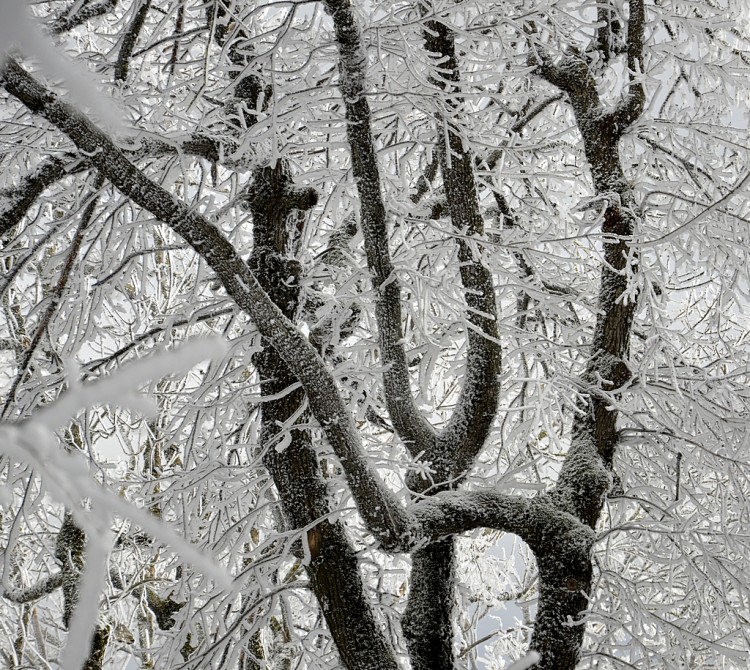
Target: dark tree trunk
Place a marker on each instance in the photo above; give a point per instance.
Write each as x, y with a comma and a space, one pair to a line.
428, 620
70, 550
333, 567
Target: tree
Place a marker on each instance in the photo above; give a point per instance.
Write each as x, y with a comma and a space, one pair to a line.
481, 270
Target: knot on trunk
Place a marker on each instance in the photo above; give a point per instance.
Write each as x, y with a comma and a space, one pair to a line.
608, 372
271, 198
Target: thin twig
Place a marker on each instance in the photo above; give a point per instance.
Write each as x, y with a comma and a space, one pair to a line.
55, 297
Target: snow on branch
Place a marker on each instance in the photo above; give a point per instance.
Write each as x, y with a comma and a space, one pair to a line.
65, 475
42, 588
17, 200
383, 513
534, 520
19, 30
418, 434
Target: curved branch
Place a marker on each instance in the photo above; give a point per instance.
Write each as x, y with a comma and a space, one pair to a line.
385, 516
561, 543
475, 411
535, 520
411, 425
39, 590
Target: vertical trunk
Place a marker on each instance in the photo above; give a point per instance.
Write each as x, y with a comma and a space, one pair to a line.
428, 620
565, 568
333, 567
70, 551
565, 571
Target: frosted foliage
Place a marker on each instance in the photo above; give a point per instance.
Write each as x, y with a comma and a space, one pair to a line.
272, 275
19, 31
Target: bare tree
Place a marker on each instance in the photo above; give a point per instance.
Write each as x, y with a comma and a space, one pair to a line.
482, 270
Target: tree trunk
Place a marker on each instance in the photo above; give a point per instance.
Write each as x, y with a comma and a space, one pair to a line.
333, 567
70, 550
428, 620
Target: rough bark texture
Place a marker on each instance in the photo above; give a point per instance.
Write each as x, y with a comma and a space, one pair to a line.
333, 567
428, 619
70, 551
585, 478
22, 197
384, 515
558, 527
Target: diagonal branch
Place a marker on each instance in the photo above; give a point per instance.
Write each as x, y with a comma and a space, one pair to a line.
16, 201
196, 317
130, 37
42, 588
385, 516
54, 298
68, 20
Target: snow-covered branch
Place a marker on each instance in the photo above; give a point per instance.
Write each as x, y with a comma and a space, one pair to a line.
16, 201
384, 514
30, 593
417, 433
474, 414
535, 520
78, 13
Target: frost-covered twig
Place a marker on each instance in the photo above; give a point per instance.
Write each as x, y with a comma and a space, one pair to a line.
69, 19
384, 514
16, 201
54, 298
199, 317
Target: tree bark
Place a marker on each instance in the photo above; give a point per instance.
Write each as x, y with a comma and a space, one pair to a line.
70, 550
558, 527
333, 566
428, 620
384, 515
586, 474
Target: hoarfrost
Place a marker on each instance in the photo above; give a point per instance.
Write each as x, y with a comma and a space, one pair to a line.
19, 30
66, 475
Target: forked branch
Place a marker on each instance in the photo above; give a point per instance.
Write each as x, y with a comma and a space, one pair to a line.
384, 515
